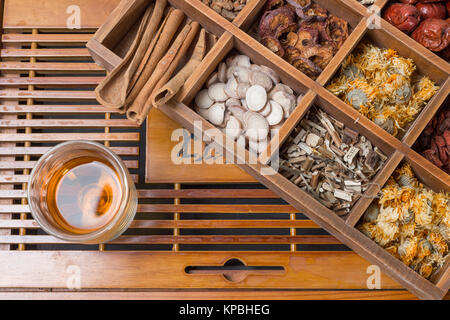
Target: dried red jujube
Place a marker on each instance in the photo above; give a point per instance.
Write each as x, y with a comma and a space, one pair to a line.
432, 10
429, 1
409, 1
433, 34
445, 54
404, 16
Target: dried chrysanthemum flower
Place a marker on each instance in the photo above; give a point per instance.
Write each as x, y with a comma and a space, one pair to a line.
393, 250
411, 222
383, 87
388, 214
406, 195
390, 193
422, 207
444, 230
408, 230
406, 215
441, 206
386, 232
424, 249
368, 229
372, 213
407, 250
426, 269
438, 243
405, 176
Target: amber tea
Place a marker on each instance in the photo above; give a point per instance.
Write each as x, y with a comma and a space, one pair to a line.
84, 194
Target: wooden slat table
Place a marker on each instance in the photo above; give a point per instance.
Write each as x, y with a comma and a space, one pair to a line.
220, 238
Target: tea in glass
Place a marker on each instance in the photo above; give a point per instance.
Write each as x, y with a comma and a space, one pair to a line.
81, 191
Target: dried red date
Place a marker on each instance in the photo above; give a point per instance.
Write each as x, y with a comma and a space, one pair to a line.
433, 34
405, 17
432, 10
428, 1
434, 142
445, 54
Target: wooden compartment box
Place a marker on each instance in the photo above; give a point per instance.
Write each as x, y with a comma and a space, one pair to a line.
112, 39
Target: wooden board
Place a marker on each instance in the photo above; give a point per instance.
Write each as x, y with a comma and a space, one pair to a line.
161, 168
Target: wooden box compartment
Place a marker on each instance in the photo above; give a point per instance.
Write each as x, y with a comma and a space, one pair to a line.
393, 157
424, 67
431, 182
232, 36
226, 47
337, 8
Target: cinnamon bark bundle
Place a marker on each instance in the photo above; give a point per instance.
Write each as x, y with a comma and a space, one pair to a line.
141, 105
168, 30
113, 89
162, 41
170, 89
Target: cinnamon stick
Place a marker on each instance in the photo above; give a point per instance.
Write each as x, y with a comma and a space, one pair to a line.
149, 50
195, 26
161, 44
113, 89
157, 15
170, 89
136, 111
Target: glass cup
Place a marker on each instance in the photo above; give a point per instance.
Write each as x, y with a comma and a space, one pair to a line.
80, 191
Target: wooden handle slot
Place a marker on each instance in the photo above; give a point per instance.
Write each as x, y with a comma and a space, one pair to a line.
235, 270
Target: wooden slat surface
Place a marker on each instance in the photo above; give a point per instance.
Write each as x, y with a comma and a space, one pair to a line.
52, 81
44, 53
63, 38
31, 164
61, 123
60, 137
204, 240
19, 151
189, 224
183, 194
50, 67
167, 208
54, 109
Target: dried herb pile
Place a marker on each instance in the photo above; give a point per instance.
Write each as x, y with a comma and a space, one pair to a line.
383, 86
411, 222
329, 160
229, 9
248, 102
303, 33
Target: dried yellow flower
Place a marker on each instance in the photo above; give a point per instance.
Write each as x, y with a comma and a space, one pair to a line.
411, 222
382, 86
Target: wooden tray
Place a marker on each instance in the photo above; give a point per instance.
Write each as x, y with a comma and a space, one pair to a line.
47, 96
234, 36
